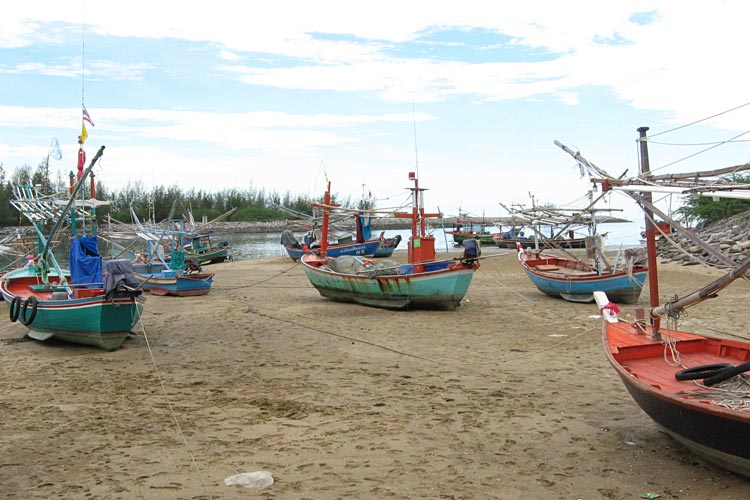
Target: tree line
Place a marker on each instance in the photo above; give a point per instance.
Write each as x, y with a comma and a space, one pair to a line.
705, 210
155, 204
251, 204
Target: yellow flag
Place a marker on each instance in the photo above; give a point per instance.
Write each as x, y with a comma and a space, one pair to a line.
84, 135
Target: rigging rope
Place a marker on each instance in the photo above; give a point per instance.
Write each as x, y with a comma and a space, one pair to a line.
700, 152
701, 120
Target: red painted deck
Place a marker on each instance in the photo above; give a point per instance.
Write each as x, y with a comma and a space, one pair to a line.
646, 359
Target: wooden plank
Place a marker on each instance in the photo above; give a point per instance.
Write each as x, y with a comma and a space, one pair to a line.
547, 267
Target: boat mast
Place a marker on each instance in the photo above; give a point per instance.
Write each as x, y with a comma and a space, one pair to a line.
653, 281
421, 246
326, 218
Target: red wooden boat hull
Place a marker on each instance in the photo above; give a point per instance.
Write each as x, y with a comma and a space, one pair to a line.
687, 410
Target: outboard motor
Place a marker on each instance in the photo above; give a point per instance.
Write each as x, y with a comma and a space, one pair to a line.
192, 264
471, 251
288, 239
120, 280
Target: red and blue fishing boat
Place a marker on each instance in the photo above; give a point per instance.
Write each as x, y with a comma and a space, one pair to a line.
574, 280
360, 244
86, 304
178, 274
296, 249
172, 278
423, 282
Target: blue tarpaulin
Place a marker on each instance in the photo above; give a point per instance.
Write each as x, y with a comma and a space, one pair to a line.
85, 262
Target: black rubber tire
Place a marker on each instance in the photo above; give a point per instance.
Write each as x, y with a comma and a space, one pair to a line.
727, 373
34, 304
701, 371
15, 308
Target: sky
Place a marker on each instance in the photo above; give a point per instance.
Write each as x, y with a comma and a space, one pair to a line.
283, 95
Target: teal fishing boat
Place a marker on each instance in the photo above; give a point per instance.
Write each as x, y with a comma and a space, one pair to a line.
91, 303
205, 249
423, 282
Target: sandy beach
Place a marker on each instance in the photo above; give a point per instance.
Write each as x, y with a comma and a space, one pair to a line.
510, 396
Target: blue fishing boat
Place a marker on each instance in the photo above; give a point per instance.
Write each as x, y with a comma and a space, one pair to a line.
297, 249
171, 282
176, 278
387, 245
423, 282
360, 244
576, 281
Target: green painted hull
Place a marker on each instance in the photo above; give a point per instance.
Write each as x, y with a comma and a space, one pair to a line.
102, 325
90, 321
437, 289
484, 239
211, 257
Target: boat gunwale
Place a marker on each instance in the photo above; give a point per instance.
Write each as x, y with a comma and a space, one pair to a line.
629, 378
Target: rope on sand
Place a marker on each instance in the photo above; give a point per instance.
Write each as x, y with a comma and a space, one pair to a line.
571, 319
239, 287
347, 337
423, 358
407, 354
171, 410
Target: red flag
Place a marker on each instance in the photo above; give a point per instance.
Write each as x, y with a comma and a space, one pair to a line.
81, 162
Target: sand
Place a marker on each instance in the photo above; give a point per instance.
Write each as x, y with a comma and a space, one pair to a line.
509, 396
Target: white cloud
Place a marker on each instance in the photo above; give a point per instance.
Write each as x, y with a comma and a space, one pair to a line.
652, 66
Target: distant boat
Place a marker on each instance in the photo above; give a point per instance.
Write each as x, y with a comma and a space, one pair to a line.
386, 246
205, 249
381, 247
180, 277
80, 305
503, 241
694, 387
569, 276
173, 234
466, 228
421, 283
296, 249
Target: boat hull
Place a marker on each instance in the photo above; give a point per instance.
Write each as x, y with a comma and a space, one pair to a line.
92, 320
579, 285
621, 288
182, 285
684, 410
438, 287
211, 256
574, 243
459, 238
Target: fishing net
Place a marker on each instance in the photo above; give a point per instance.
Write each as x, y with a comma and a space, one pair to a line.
733, 394
348, 264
